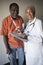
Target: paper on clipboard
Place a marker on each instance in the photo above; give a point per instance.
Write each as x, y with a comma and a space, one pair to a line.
17, 35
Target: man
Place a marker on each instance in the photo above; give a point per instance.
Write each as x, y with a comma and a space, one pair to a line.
13, 23
33, 47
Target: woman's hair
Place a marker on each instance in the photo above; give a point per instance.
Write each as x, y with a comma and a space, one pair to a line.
32, 8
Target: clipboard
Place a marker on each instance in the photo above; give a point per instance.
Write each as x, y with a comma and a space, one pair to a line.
17, 35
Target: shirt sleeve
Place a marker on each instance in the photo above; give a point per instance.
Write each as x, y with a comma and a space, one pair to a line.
4, 28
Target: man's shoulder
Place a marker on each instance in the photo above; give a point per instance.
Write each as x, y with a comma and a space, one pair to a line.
20, 17
6, 18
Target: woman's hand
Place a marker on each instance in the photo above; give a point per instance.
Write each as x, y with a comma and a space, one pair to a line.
23, 35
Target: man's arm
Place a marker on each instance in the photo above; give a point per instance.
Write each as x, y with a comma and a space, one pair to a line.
4, 32
5, 38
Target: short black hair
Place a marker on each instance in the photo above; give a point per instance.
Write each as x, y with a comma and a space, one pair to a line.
14, 5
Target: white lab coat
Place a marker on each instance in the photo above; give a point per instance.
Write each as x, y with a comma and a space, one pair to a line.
33, 47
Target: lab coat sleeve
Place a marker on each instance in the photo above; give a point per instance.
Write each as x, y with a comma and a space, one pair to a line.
40, 29
26, 32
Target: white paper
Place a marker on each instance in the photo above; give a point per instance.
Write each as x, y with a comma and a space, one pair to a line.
17, 35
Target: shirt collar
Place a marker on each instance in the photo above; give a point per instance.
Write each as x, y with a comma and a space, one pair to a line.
32, 21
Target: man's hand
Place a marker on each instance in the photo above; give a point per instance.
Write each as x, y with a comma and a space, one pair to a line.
8, 51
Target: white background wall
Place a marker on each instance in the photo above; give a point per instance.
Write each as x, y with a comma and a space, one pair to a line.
4, 11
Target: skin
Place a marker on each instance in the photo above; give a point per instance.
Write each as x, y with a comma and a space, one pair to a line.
29, 16
14, 12
14, 15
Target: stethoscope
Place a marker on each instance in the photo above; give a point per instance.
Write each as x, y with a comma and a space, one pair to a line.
33, 24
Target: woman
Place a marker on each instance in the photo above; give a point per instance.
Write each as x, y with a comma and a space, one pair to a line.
33, 32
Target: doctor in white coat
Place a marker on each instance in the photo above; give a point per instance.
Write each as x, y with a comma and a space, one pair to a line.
33, 32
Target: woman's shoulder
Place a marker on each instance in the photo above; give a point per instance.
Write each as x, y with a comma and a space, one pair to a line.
38, 20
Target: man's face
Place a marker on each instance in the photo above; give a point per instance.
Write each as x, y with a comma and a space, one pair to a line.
29, 14
14, 12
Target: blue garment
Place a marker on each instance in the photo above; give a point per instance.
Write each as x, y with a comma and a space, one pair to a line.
12, 56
